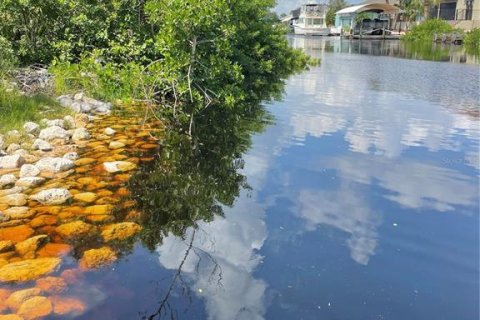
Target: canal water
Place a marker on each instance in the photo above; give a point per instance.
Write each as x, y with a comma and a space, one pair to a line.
357, 198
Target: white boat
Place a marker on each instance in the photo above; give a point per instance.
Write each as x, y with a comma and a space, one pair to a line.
312, 20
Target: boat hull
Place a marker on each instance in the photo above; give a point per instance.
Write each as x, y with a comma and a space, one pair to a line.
311, 31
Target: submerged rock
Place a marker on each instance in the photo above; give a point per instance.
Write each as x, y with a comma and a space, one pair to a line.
119, 166
87, 197
97, 258
29, 247
55, 164
15, 199
19, 213
52, 196
28, 270
35, 308
120, 231
77, 229
51, 285
65, 306
29, 182
16, 234
109, 131
16, 299
11, 162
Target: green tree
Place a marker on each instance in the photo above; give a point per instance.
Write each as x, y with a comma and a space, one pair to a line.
333, 7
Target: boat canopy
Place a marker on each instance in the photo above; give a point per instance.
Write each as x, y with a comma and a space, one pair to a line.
381, 7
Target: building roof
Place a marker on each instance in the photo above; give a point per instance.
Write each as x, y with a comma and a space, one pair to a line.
385, 7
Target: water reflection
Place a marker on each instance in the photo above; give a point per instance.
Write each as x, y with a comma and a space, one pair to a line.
361, 145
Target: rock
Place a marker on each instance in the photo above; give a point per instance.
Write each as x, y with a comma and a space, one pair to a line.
51, 285
35, 308
55, 164
13, 134
99, 209
85, 161
72, 156
13, 147
87, 197
65, 101
55, 123
21, 152
85, 107
11, 162
29, 170
2, 141
97, 258
16, 199
6, 245
15, 213
31, 128
16, 299
28, 270
81, 120
11, 191
43, 220
55, 250
116, 145
76, 107
102, 110
29, 182
120, 231
54, 132
109, 131
80, 134
65, 306
10, 316
16, 234
74, 230
119, 166
78, 96
28, 248
52, 196
69, 122
41, 145
7, 179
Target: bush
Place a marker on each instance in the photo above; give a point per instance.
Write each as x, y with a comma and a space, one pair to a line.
7, 57
427, 29
472, 41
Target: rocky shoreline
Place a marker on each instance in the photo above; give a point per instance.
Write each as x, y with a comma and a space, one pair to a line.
64, 194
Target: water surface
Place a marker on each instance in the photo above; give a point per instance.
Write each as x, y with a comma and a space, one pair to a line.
356, 198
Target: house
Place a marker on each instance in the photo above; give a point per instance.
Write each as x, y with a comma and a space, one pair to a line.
379, 11
463, 14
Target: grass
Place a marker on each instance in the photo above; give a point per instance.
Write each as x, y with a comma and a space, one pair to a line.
472, 41
16, 109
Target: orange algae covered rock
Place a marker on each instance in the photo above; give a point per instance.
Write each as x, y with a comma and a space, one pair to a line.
55, 250
27, 270
97, 258
100, 218
16, 299
120, 231
72, 276
16, 234
75, 229
99, 209
44, 220
65, 306
87, 197
4, 294
6, 246
35, 308
29, 247
51, 285
10, 317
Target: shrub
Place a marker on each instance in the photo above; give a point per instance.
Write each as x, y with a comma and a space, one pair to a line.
472, 41
7, 57
427, 29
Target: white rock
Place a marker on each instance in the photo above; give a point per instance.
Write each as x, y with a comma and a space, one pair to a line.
42, 145
71, 156
29, 170
80, 134
109, 131
11, 162
69, 122
54, 132
13, 190
13, 147
85, 107
29, 182
102, 110
54, 164
56, 123
21, 152
79, 96
14, 199
31, 128
52, 196
2, 141
7, 179
65, 101
13, 134
76, 107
